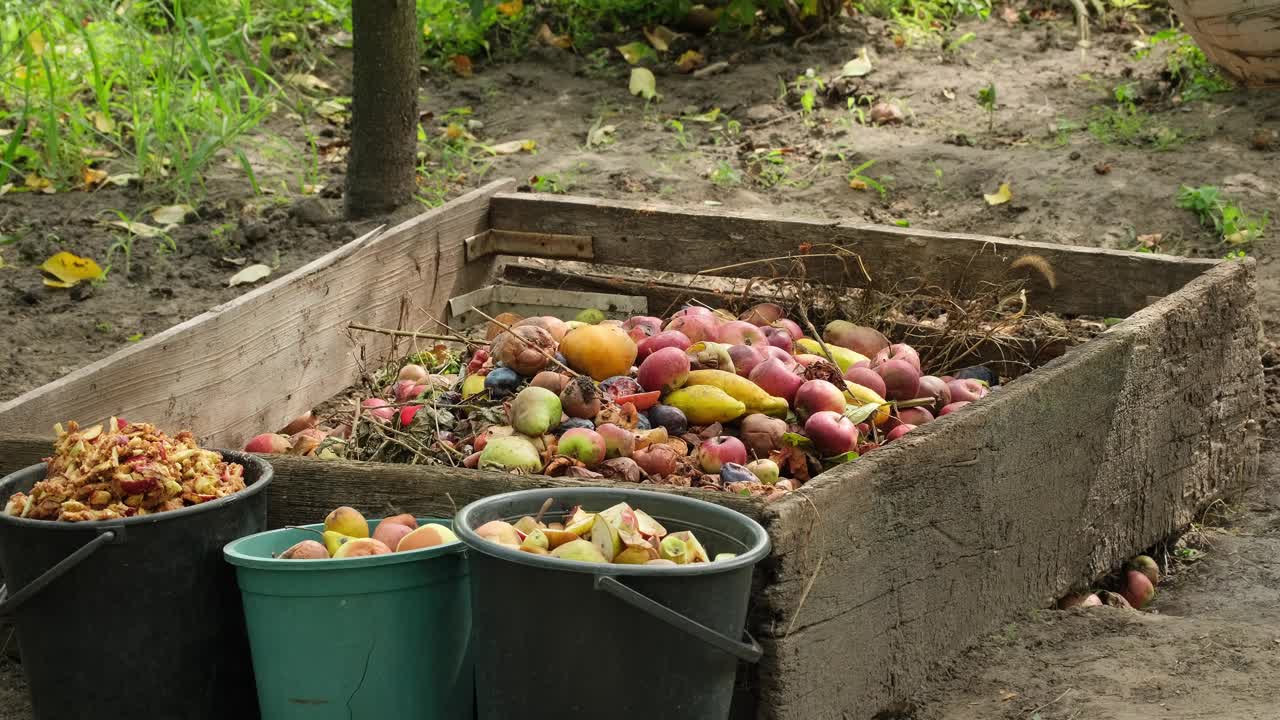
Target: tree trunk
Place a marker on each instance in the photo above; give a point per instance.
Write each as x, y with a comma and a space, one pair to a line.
384, 107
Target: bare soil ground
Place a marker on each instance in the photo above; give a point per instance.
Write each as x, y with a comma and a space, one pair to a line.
1211, 649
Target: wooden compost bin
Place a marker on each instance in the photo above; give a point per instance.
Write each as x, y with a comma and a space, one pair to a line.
882, 567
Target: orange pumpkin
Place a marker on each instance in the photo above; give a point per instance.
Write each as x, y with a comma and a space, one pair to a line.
601, 351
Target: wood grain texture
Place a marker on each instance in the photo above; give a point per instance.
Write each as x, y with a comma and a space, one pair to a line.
1241, 37
1090, 281
1053, 480
251, 364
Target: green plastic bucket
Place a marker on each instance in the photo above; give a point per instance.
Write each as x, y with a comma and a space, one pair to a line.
385, 636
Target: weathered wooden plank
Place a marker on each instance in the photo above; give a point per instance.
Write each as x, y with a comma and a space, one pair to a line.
931, 542
275, 352
1089, 281
510, 242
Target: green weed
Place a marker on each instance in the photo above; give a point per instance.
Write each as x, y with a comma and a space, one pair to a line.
1128, 124
725, 175
1191, 73
858, 180
682, 137
987, 101
925, 20
1231, 222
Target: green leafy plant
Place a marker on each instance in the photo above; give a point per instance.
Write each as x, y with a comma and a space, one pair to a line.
682, 138
1231, 222
1192, 75
858, 180
725, 175
1128, 124
987, 101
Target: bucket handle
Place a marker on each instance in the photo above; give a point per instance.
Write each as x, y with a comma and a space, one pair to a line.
749, 651
10, 603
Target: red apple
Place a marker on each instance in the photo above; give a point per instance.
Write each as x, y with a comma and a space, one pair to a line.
405, 390
779, 338
653, 323
667, 338
898, 432
745, 358
781, 354
271, 443
935, 388
763, 314
695, 327
858, 338
694, 310
776, 378
831, 433
664, 370
657, 459
901, 379
900, 351
815, 396
1138, 589
408, 413
378, 408
716, 452
952, 407
739, 332
790, 326
867, 378
583, 444
966, 390
915, 416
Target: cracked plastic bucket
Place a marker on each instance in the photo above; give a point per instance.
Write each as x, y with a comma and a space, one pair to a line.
385, 636
625, 642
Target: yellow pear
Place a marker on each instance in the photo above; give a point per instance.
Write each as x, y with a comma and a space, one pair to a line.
348, 521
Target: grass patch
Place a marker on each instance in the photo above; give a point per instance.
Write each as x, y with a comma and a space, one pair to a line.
1233, 225
1192, 75
1128, 124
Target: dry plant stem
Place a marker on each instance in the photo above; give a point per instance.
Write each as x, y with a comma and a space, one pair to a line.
804, 595
413, 334
543, 353
546, 505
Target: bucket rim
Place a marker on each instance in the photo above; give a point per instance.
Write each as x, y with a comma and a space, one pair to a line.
462, 527
265, 474
237, 557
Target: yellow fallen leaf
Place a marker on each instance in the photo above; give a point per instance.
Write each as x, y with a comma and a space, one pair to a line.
171, 214
660, 37
307, 81
511, 8
68, 269
643, 83
36, 39
513, 147
1001, 196
546, 37
92, 177
691, 60
101, 121
142, 230
857, 184
5, 188
38, 184
251, 274
333, 110
123, 179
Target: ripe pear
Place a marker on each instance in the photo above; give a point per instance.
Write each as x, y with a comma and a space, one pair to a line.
581, 550
334, 540
305, 550
696, 553
558, 537
636, 555
581, 524
429, 535
362, 547
347, 521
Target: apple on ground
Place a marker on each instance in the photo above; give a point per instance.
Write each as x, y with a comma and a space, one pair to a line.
716, 451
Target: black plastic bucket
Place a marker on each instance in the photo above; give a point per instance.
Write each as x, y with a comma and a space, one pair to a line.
578, 639
133, 618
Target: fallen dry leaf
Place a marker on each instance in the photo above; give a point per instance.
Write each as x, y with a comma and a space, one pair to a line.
92, 177
171, 214
1102, 168
142, 230
1009, 15
546, 37
858, 66
461, 65
511, 8
251, 274
600, 135
334, 110
123, 179
691, 60
643, 83
68, 269
307, 81
513, 147
36, 183
660, 37
101, 122
1000, 197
